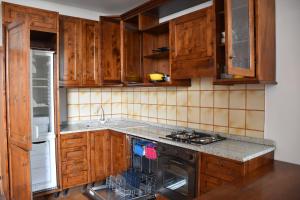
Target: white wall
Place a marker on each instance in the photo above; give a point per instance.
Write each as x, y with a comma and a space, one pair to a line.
282, 122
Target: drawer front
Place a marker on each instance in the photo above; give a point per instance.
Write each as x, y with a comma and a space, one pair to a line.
75, 153
221, 168
73, 140
75, 179
208, 183
74, 167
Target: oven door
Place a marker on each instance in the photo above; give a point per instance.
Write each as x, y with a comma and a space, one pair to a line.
177, 178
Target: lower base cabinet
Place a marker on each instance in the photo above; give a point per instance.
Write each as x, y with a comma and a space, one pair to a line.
92, 156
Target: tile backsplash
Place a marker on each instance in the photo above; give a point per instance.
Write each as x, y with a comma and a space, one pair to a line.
237, 109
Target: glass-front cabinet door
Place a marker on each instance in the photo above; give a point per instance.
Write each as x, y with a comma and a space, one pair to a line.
240, 37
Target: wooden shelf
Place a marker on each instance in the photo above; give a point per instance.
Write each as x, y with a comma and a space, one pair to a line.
159, 55
178, 83
157, 29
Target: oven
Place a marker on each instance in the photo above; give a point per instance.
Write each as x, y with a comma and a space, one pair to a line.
177, 169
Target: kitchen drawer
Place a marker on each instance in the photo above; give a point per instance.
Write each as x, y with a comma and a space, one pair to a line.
224, 169
208, 183
72, 180
73, 140
74, 167
74, 153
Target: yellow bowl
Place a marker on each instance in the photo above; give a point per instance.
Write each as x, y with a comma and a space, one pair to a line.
156, 77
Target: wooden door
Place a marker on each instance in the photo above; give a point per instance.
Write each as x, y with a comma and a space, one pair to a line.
70, 51
18, 109
240, 53
131, 53
191, 45
100, 155
110, 50
91, 54
118, 153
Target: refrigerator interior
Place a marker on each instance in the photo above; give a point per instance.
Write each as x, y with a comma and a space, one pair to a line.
43, 159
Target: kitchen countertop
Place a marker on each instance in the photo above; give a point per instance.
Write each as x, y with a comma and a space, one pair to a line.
234, 147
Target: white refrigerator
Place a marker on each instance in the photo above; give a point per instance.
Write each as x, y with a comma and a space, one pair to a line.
42, 156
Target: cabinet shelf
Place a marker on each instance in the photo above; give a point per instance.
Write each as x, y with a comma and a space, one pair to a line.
184, 82
159, 55
157, 28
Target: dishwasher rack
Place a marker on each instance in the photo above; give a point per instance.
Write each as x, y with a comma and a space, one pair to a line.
131, 185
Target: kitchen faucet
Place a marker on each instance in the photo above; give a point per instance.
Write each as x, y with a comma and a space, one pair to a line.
102, 119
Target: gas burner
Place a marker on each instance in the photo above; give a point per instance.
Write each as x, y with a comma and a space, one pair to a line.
193, 137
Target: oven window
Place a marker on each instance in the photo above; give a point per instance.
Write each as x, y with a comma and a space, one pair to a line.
175, 178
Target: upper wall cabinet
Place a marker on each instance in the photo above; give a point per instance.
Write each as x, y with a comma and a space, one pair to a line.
110, 50
131, 46
79, 52
192, 53
245, 41
40, 20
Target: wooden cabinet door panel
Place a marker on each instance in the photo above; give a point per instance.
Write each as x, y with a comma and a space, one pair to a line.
73, 140
73, 167
74, 153
72, 180
118, 153
18, 84
110, 50
91, 65
19, 172
191, 38
240, 48
100, 155
70, 47
131, 42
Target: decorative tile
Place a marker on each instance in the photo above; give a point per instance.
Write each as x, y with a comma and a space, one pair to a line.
136, 97
144, 97
206, 115
255, 120
194, 114
84, 110
171, 98
255, 134
255, 100
221, 99
144, 110
136, 109
95, 97
84, 96
162, 112
130, 97
237, 131
255, 87
221, 117
237, 118
237, 87
73, 96
171, 112
107, 109
124, 108
124, 97
96, 109
162, 98
130, 109
152, 97
153, 111
116, 108
237, 99
181, 113
162, 121
221, 87
182, 124
171, 122
73, 111
221, 129
206, 127
116, 97
193, 125
181, 98
193, 98
206, 99
106, 97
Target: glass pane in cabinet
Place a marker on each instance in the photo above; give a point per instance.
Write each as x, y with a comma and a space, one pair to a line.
240, 34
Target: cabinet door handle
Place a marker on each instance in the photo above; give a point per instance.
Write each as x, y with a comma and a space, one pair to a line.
231, 57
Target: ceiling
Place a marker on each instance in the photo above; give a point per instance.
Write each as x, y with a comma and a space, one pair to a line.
103, 6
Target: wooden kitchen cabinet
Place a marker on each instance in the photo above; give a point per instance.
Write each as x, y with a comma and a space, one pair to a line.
74, 159
215, 171
191, 44
245, 41
119, 152
79, 52
131, 51
100, 155
110, 31
39, 19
